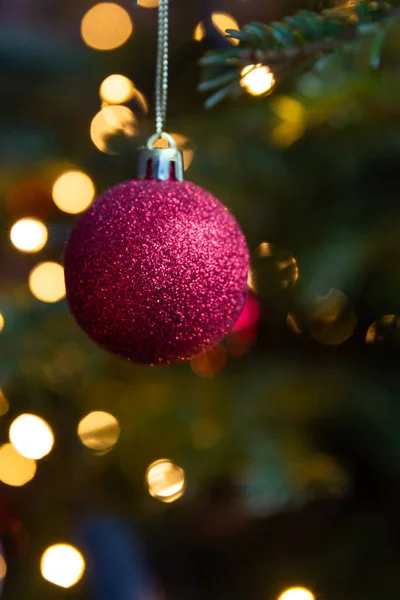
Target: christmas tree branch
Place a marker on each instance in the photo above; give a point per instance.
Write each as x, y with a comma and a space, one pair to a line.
301, 39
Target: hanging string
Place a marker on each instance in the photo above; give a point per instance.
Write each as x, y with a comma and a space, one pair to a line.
162, 67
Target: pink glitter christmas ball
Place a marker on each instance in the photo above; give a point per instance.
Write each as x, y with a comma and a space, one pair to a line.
156, 272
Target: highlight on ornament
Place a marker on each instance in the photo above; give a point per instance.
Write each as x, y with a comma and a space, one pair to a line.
31, 436
165, 480
73, 192
62, 565
112, 127
297, 593
29, 235
15, 469
221, 21
99, 431
106, 26
46, 282
257, 80
117, 89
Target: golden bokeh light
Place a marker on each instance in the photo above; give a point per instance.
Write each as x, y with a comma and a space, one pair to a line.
73, 192
117, 89
384, 331
184, 144
15, 469
99, 431
148, 3
221, 21
293, 121
257, 80
106, 26
1, 322
329, 319
46, 282
62, 565
31, 436
165, 480
273, 269
4, 405
297, 593
3, 567
209, 363
110, 125
29, 235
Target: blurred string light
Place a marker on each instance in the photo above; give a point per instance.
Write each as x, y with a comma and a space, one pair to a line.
297, 593
62, 565
110, 125
293, 121
29, 235
99, 431
117, 89
384, 330
31, 436
330, 320
184, 144
46, 282
222, 22
273, 269
73, 192
209, 363
165, 480
106, 26
15, 469
1, 322
257, 80
4, 405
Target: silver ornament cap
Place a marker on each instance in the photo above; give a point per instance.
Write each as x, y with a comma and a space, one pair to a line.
160, 164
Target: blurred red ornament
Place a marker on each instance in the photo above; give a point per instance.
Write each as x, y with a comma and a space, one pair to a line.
156, 271
249, 315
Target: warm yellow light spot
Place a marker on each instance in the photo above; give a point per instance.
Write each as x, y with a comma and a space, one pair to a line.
46, 282
222, 22
148, 3
106, 26
184, 144
166, 481
31, 436
289, 109
29, 235
117, 89
257, 80
4, 406
141, 101
62, 565
99, 431
273, 268
3, 567
15, 469
293, 324
1, 322
286, 134
297, 593
112, 122
73, 192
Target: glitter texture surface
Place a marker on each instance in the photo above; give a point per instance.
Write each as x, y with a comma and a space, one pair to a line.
156, 272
